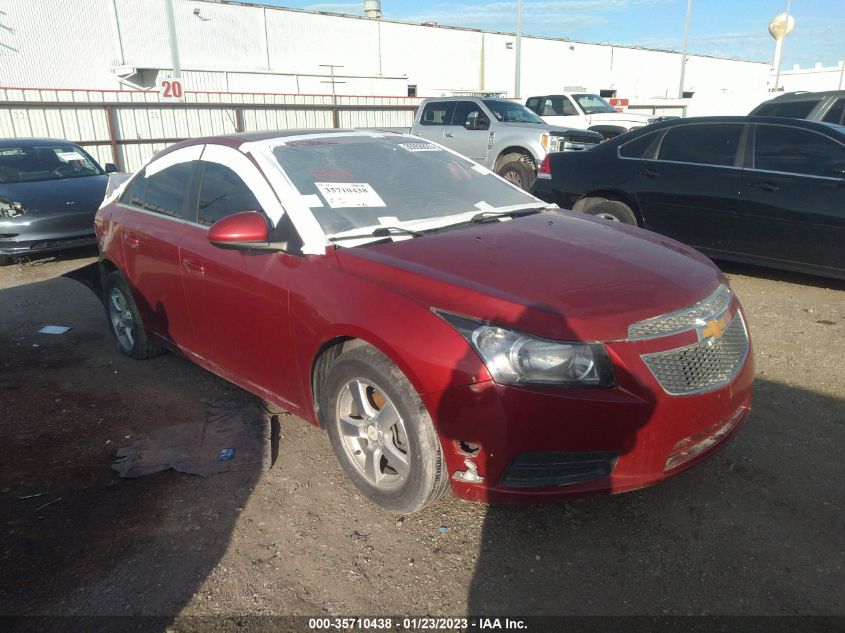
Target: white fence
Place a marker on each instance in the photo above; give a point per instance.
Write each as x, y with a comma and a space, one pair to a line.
127, 127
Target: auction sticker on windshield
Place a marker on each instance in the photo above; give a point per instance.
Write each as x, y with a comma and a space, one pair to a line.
420, 147
341, 195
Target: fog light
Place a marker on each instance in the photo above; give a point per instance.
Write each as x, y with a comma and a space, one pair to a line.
689, 447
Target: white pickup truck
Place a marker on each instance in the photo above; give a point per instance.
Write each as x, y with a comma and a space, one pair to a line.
500, 134
587, 112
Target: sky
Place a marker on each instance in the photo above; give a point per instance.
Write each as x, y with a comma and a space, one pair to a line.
726, 28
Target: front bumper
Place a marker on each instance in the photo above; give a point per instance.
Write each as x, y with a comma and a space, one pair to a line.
36, 232
643, 433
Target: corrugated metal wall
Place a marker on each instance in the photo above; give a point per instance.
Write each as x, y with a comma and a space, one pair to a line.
141, 131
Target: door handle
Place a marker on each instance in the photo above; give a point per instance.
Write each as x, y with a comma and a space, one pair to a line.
449, 135
764, 185
131, 241
193, 268
650, 172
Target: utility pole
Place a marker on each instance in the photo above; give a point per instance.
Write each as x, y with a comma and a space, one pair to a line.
841, 73
333, 81
518, 48
174, 45
684, 55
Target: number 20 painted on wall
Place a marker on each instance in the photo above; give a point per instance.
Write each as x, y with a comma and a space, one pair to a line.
171, 89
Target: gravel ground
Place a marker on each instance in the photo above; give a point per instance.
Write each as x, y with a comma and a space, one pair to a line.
758, 529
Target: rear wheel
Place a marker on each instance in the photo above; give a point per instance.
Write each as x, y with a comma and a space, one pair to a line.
125, 323
610, 210
381, 432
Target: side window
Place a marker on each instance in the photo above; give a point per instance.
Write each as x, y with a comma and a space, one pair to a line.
836, 114
136, 192
222, 193
706, 144
462, 110
637, 148
792, 150
568, 108
532, 104
438, 113
788, 109
166, 189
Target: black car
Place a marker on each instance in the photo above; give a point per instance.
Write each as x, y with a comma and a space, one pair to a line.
49, 192
828, 107
763, 190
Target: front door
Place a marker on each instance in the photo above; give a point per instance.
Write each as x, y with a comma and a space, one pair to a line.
792, 204
473, 144
238, 300
688, 190
434, 119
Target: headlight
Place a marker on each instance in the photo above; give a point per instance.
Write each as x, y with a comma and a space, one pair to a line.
514, 357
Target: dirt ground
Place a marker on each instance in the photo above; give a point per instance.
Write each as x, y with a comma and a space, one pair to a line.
758, 529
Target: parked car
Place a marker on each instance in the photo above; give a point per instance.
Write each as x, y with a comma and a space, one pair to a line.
828, 107
502, 135
587, 112
49, 192
443, 326
762, 190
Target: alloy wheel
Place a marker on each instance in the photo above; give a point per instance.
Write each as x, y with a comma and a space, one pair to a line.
121, 320
373, 434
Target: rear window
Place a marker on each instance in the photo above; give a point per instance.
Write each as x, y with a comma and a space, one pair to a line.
706, 144
45, 162
787, 109
637, 147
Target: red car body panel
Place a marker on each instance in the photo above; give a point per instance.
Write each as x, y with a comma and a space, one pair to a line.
261, 319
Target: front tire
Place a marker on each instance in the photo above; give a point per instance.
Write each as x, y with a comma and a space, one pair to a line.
381, 433
124, 320
518, 173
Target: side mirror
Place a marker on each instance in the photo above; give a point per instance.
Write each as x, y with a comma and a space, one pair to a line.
476, 121
111, 168
247, 230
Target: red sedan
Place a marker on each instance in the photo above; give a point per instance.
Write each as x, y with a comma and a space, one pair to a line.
443, 326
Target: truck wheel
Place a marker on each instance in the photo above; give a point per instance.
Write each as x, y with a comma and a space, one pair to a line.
381, 433
517, 173
125, 323
612, 210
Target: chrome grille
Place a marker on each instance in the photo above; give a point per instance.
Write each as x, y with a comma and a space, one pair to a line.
703, 366
685, 319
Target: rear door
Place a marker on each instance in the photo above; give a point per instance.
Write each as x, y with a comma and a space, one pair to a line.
792, 204
687, 185
471, 143
238, 300
151, 231
434, 118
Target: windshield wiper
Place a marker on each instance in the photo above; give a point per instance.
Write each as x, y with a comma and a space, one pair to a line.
382, 231
486, 216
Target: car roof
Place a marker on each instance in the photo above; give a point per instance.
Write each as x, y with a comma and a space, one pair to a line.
807, 96
32, 142
812, 125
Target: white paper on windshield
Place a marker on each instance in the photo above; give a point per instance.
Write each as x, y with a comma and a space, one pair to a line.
388, 220
420, 147
483, 205
312, 201
342, 195
69, 156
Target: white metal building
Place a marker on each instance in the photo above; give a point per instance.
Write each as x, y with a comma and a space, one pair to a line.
233, 47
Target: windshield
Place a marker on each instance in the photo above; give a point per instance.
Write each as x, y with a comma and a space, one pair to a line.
512, 112
45, 162
594, 104
353, 182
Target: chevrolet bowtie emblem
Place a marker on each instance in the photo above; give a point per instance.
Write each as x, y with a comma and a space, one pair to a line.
713, 329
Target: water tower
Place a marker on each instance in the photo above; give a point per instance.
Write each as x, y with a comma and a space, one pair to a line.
780, 26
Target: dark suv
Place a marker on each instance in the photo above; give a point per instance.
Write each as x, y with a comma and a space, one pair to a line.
828, 107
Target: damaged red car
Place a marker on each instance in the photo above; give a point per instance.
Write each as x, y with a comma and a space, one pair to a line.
443, 326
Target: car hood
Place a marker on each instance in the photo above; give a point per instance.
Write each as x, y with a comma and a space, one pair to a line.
545, 127
69, 195
559, 275
628, 117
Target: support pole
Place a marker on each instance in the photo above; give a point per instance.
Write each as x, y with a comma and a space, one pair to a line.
684, 55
